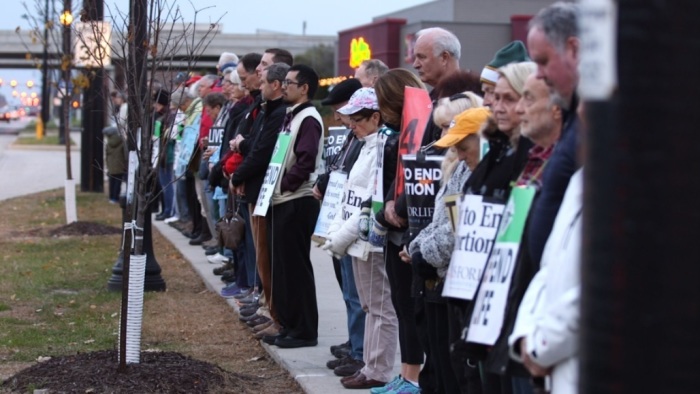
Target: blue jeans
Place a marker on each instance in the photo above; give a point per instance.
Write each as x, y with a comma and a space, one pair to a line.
165, 177
181, 199
356, 316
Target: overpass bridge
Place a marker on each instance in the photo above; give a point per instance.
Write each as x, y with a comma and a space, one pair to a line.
18, 52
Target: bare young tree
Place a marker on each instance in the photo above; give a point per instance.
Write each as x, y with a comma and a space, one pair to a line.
152, 40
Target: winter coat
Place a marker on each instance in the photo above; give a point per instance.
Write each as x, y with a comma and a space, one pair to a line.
261, 146
115, 154
341, 232
548, 317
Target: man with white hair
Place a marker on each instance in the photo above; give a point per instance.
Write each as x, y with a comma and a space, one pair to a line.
437, 53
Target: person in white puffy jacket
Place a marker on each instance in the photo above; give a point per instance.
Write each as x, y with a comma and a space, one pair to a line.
381, 325
545, 336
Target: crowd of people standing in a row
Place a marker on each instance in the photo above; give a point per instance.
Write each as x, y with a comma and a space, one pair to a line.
392, 273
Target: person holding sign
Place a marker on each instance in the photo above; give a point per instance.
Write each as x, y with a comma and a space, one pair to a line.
391, 88
351, 361
492, 179
541, 123
258, 147
292, 215
381, 325
431, 250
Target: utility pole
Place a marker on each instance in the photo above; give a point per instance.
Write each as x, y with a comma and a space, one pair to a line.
640, 293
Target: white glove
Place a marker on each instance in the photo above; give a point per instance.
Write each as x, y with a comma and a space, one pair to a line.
328, 247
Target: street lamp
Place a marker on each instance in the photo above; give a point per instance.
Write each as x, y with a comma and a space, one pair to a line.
66, 18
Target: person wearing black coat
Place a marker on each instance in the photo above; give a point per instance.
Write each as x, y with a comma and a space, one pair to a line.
257, 150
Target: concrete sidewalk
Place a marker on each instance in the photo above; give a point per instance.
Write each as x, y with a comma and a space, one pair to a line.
41, 170
307, 365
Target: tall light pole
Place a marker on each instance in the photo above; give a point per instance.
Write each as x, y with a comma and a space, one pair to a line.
41, 131
92, 148
66, 19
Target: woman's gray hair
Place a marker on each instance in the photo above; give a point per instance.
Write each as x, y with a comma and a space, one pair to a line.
442, 40
558, 22
234, 77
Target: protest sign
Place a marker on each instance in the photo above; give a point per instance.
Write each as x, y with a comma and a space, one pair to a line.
272, 174
422, 177
334, 143
188, 143
331, 203
476, 231
216, 135
417, 108
492, 296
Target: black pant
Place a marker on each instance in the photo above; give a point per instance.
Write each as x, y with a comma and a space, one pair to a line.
438, 330
115, 186
400, 277
289, 229
466, 372
193, 204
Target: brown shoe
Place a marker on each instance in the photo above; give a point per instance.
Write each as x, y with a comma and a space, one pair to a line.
362, 383
271, 331
351, 377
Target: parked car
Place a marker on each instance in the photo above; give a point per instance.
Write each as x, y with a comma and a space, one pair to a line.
6, 114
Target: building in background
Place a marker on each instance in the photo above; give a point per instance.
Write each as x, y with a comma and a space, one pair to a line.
482, 26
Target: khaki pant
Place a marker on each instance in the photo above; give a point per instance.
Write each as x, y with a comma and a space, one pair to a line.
381, 323
262, 255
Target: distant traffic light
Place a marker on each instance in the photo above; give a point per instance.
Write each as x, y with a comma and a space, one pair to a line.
75, 104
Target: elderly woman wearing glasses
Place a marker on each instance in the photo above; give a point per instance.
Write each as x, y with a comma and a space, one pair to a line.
381, 326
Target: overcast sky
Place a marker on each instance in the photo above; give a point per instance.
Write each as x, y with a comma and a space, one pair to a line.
325, 17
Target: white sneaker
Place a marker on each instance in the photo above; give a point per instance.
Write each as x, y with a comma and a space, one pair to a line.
218, 259
171, 219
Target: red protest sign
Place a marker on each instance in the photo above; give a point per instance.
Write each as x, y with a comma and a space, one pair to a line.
417, 107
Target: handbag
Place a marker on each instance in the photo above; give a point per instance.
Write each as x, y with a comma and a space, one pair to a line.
230, 229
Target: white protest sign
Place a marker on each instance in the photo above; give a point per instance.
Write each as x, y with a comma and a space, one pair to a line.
598, 65
476, 231
492, 297
351, 205
272, 174
331, 202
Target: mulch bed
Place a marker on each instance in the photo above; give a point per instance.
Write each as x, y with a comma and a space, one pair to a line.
71, 230
96, 372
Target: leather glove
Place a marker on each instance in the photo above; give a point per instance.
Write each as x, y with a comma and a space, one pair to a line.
363, 225
377, 235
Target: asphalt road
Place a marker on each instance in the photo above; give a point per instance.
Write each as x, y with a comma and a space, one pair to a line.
30, 170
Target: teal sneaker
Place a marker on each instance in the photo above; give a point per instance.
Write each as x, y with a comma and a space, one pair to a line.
405, 388
389, 387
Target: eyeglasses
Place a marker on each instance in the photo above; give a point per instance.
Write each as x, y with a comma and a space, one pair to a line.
356, 120
289, 82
